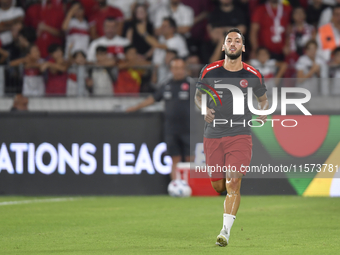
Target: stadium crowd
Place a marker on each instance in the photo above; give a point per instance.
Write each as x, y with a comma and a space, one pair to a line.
126, 46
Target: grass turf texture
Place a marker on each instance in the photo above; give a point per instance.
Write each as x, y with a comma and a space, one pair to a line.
164, 225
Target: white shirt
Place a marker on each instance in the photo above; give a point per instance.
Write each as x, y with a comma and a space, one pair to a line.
123, 5
304, 64
78, 34
154, 6
184, 15
11, 13
268, 69
325, 17
6, 38
115, 46
176, 43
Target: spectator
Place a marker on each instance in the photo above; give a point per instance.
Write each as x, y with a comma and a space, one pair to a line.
182, 14
32, 15
326, 14
153, 7
125, 6
20, 103
33, 82
328, 35
300, 32
115, 44
78, 59
201, 12
271, 69
140, 19
334, 71
77, 30
314, 11
9, 16
309, 68
212, 49
98, 18
57, 71
130, 74
22, 39
227, 16
168, 40
49, 27
101, 78
90, 7
269, 24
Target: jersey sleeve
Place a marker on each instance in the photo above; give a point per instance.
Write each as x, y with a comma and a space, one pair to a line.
201, 80
260, 89
158, 95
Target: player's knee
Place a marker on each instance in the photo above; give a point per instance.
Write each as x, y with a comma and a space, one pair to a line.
233, 185
219, 186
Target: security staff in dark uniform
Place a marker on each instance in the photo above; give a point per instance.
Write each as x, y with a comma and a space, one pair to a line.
176, 94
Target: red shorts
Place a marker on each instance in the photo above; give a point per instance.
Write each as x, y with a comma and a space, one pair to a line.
230, 153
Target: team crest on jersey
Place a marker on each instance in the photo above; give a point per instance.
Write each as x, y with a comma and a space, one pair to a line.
244, 83
185, 86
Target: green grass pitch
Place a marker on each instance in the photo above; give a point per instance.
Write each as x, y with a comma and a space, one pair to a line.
164, 225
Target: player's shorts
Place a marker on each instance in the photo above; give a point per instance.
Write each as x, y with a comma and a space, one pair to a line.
178, 144
230, 153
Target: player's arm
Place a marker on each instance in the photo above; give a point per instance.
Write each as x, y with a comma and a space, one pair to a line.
148, 101
263, 105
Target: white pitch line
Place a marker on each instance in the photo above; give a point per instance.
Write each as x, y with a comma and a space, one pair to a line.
47, 200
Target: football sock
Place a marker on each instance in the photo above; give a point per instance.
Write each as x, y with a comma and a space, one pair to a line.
228, 221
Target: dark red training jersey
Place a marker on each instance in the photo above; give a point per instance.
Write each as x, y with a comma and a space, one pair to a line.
215, 74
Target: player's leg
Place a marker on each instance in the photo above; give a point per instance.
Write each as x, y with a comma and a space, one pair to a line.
237, 156
233, 198
231, 202
214, 159
219, 185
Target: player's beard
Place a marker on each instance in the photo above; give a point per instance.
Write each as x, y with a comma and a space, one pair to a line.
234, 55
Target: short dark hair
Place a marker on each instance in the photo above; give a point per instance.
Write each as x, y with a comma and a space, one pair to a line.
78, 52
172, 22
54, 47
110, 18
309, 43
236, 30
177, 58
101, 49
172, 51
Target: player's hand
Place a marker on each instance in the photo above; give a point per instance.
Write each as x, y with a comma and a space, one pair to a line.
263, 118
210, 116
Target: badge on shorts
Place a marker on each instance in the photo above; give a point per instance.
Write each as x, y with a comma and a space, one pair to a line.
244, 83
